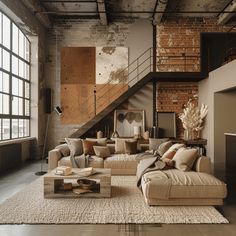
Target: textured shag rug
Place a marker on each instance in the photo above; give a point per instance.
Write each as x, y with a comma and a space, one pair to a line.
125, 206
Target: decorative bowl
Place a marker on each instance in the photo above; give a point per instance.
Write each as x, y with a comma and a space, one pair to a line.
86, 183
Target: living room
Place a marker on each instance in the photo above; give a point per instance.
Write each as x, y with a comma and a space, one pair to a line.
115, 69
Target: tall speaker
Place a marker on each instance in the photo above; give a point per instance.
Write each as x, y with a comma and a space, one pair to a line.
48, 100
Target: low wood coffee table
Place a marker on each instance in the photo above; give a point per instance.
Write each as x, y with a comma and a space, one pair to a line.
54, 184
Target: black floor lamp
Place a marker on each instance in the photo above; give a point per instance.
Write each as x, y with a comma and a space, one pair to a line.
58, 111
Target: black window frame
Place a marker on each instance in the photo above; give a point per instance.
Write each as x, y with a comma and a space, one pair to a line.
10, 73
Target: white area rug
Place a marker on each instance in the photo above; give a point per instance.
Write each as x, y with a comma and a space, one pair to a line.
126, 206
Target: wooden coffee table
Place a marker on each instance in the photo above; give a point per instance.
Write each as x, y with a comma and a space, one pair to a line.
53, 184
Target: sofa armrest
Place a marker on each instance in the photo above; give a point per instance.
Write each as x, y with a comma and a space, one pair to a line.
203, 164
53, 157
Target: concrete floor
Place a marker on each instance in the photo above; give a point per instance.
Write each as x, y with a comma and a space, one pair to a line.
16, 180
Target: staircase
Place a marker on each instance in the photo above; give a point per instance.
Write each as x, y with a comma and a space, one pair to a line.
140, 72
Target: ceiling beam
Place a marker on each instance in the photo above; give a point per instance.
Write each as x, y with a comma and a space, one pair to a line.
37, 9
102, 11
225, 16
160, 6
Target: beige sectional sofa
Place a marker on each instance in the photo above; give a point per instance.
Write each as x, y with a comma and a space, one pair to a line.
193, 186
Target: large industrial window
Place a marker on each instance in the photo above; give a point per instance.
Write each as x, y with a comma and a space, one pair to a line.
14, 81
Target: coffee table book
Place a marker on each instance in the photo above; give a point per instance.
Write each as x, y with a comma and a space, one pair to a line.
56, 186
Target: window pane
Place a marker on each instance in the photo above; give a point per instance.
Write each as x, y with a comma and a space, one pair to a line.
15, 86
26, 76
0, 28
15, 106
21, 68
5, 104
27, 50
6, 60
1, 83
27, 91
6, 128
27, 108
5, 84
0, 57
21, 88
21, 44
21, 128
15, 39
27, 127
15, 65
6, 31
14, 128
20, 106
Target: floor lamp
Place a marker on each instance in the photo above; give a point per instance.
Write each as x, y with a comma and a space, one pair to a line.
58, 111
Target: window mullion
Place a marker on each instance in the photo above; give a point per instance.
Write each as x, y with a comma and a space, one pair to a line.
10, 82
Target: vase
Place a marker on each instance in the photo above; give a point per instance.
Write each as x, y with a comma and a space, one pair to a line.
188, 134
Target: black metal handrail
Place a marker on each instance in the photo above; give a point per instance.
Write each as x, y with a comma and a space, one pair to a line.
142, 69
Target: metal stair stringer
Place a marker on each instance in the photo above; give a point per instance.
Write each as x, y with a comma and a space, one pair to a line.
112, 106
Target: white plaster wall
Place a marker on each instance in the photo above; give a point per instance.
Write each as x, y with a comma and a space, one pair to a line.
220, 79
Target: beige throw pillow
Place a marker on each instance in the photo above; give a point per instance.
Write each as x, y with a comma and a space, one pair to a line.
131, 147
75, 146
102, 151
64, 149
164, 147
154, 143
120, 144
100, 141
185, 158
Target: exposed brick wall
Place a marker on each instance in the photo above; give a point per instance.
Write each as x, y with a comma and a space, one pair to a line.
179, 37
171, 97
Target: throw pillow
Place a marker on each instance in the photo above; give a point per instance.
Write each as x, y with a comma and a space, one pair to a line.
185, 158
75, 146
88, 147
131, 147
102, 151
120, 145
164, 147
154, 143
174, 147
100, 141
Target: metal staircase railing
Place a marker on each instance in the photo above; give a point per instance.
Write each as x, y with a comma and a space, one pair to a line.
168, 59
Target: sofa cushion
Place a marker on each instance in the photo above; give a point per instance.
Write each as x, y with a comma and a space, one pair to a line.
154, 143
185, 158
94, 161
88, 147
75, 146
121, 161
131, 147
179, 184
193, 184
100, 141
102, 151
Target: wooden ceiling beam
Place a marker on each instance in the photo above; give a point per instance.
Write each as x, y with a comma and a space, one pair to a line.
225, 16
36, 8
159, 10
102, 11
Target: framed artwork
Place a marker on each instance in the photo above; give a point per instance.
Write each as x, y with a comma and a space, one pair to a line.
166, 122
129, 122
